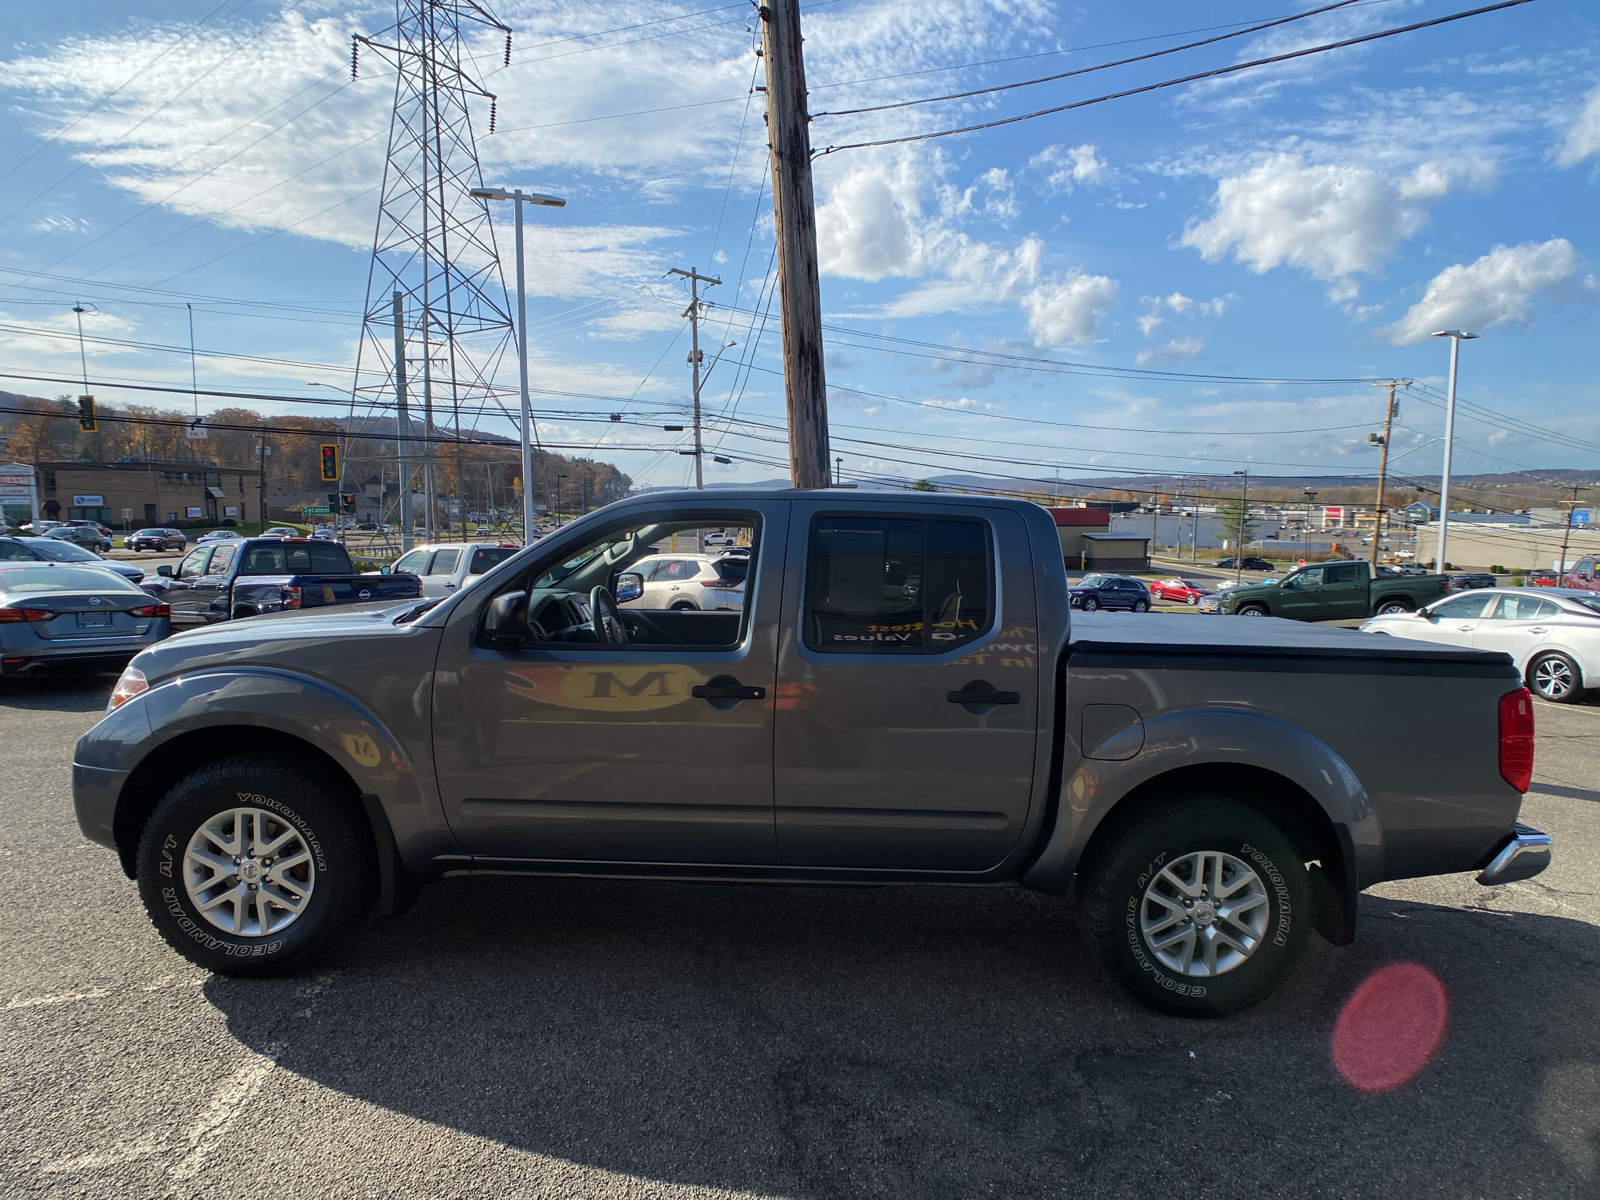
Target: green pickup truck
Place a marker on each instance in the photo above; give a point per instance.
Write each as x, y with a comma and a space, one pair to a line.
1329, 591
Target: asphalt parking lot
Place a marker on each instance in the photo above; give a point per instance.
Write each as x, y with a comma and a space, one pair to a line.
515, 1037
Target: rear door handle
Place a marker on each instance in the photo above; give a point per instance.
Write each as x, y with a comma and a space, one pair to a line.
979, 692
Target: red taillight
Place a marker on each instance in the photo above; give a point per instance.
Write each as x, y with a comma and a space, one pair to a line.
1447, 583
291, 597
153, 610
25, 614
1516, 738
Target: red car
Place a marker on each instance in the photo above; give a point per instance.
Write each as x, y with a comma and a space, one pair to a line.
1185, 591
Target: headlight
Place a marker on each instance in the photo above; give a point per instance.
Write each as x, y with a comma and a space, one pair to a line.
129, 685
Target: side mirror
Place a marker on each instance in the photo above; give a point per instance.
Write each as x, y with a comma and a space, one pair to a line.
385, 570
505, 625
164, 571
630, 586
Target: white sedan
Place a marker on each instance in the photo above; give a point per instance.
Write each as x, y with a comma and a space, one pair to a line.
1553, 634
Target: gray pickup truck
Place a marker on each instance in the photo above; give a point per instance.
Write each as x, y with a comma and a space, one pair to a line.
904, 698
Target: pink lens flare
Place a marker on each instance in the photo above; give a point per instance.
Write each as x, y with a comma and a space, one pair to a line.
1390, 1027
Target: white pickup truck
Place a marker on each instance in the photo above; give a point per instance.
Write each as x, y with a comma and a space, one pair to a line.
448, 567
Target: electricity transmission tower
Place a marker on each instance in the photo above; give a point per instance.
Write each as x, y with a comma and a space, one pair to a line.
436, 312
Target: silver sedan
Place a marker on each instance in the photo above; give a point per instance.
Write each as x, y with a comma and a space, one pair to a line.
66, 615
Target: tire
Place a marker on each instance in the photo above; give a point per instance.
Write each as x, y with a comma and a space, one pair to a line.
1141, 606
243, 611
1556, 678
684, 606
1090, 603
1134, 881
1389, 608
269, 800
1193, 601
1253, 610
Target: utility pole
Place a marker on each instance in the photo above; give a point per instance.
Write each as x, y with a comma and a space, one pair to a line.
838, 469
1383, 465
693, 313
1566, 533
262, 528
795, 225
402, 420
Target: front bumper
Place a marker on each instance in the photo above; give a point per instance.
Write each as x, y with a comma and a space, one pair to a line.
1521, 855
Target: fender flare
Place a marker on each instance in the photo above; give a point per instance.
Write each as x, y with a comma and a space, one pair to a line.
1220, 736
397, 795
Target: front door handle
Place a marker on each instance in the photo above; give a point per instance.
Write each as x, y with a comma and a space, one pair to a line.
980, 692
726, 688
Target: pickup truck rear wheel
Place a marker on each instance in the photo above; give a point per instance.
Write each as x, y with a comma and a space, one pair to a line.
1390, 608
251, 866
1200, 907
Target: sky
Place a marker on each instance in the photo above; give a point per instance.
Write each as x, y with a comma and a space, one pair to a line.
1200, 279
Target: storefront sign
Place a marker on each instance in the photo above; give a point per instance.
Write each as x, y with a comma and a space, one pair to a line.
88, 501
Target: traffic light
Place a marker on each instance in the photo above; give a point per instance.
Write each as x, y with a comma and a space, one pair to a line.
330, 463
348, 501
86, 414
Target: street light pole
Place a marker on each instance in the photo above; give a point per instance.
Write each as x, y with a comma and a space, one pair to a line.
1456, 337
519, 198
1244, 501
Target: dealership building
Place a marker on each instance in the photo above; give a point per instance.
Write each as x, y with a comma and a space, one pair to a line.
132, 495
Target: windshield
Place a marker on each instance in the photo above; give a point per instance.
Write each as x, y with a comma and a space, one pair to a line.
1094, 580
58, 551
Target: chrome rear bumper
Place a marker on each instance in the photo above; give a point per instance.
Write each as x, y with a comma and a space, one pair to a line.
1524, 853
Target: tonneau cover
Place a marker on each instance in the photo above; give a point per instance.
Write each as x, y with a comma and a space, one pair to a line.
1191, 634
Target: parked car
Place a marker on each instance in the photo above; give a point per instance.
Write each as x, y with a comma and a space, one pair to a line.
368, 527
86, 536
688, 581
60, 615
1585, 575
447, 567
323, 533
722, 537
1540, 578
103, 530
56, 550
1467, 581
1553, 635
220, 535
1096, 590
281, 531
227, 580
156, 539
1410, 569
904, 697
1327, 592
1249, 564
1184, 591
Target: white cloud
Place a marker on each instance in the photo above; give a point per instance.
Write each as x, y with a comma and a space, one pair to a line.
1068, 167
1175, 351
1331, 220
1583, 139
1067, 310
868, 226
1497, 289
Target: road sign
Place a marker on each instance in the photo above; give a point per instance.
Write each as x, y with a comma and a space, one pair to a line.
196, 429
1580, 516
316, 510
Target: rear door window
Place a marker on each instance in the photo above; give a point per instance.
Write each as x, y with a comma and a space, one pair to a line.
444, 562
897, 585
1343, 573
1525, 608
485, 558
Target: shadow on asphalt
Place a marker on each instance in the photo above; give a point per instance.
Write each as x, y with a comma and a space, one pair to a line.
932, 1042
83, 692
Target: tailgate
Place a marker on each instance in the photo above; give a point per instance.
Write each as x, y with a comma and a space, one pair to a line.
319, 591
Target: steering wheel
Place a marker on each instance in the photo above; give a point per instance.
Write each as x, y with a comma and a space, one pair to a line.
605, 619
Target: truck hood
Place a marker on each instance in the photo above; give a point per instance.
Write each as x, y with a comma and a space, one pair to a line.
1249, 590
289, 640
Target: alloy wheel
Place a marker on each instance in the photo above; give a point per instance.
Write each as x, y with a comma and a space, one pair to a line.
1204, 913
248, 872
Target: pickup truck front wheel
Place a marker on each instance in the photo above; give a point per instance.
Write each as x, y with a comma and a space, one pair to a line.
1200, 907
251, 866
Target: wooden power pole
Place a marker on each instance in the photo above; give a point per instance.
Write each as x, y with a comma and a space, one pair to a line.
795, 219
695, 358
1383, 467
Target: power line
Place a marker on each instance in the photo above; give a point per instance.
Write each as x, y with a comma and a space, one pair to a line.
1166, 83
1105, 66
